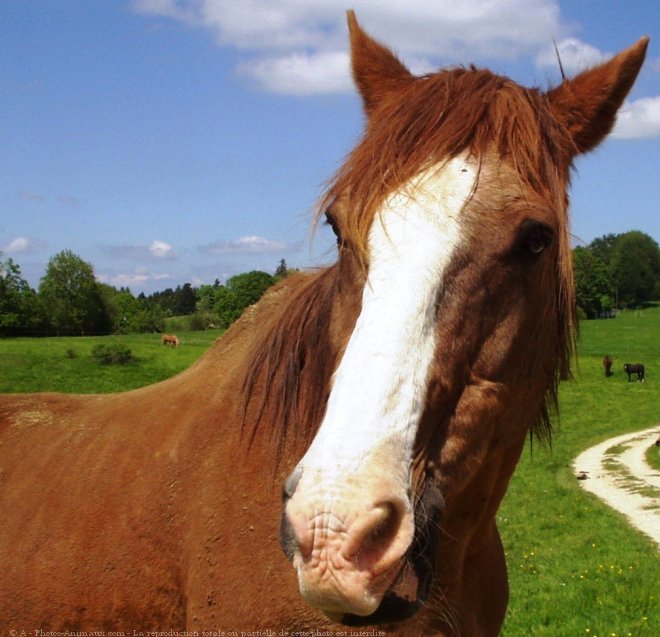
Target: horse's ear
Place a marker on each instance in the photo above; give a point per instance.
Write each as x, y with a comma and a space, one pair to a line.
376, 70
587, 104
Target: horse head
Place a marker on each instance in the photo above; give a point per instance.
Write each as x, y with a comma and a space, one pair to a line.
448, 322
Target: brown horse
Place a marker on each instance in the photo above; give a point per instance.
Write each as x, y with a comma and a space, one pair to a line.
607, 366
170, 339
395, 389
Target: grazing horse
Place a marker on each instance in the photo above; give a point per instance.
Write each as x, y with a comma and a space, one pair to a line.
634, 369
170, 339
390, 394
607, 365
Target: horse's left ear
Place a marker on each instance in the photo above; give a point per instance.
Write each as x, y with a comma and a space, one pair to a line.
587, 104
376, 70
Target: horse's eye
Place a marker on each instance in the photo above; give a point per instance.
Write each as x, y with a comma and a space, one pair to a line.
332, 222
534, 237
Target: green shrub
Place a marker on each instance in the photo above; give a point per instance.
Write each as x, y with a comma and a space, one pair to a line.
112, 354
199, 321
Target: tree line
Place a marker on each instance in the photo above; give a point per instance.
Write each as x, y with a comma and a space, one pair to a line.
70, 301
616, 271
613, 271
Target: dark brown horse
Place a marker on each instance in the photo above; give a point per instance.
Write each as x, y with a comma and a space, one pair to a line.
634, 369
391, 394
607, 366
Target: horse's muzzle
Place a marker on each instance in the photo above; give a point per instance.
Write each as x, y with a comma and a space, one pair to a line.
398, 604
410, 588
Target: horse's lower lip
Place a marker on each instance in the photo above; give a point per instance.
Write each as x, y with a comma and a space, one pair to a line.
392, 609
337, 606
400, 602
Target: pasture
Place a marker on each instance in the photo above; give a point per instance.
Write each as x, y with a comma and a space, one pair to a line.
575, 567
65, 364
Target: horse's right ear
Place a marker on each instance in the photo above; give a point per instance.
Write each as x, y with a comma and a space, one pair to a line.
587, 104
376, 70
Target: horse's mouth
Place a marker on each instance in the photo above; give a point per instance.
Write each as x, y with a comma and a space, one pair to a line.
412, 586
404, 598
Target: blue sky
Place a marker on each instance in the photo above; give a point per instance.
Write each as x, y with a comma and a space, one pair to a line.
174, 141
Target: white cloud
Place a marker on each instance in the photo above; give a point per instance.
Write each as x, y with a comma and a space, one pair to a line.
638, 119
246, 245
157, 249
255, 24
300, 48
575, 56
24, 245
300, 73
139, 278
161, 250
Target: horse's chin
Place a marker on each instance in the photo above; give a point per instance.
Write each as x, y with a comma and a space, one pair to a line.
404, 598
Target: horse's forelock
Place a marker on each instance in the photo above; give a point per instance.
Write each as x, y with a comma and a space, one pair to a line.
437, 117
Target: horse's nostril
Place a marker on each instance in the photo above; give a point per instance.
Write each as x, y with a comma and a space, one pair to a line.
384, 528
373, 535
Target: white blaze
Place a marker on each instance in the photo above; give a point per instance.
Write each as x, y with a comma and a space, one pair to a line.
379, 387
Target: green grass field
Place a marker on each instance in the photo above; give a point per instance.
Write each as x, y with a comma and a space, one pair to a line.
576, 568
65, 364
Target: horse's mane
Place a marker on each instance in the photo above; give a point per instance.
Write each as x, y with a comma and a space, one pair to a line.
287, 381
432, 119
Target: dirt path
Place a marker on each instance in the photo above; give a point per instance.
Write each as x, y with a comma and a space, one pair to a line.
617, 472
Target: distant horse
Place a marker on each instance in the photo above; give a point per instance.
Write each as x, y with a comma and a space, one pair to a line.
634, 369
395, 389
607, 364
170, 339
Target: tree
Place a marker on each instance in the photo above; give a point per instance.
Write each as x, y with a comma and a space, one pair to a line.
281, 270
18, 304
185, 299
207, 297
593, 284
250, 287
635, 268
241, 291
72, 297
130, 314
602, 247
177, 302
